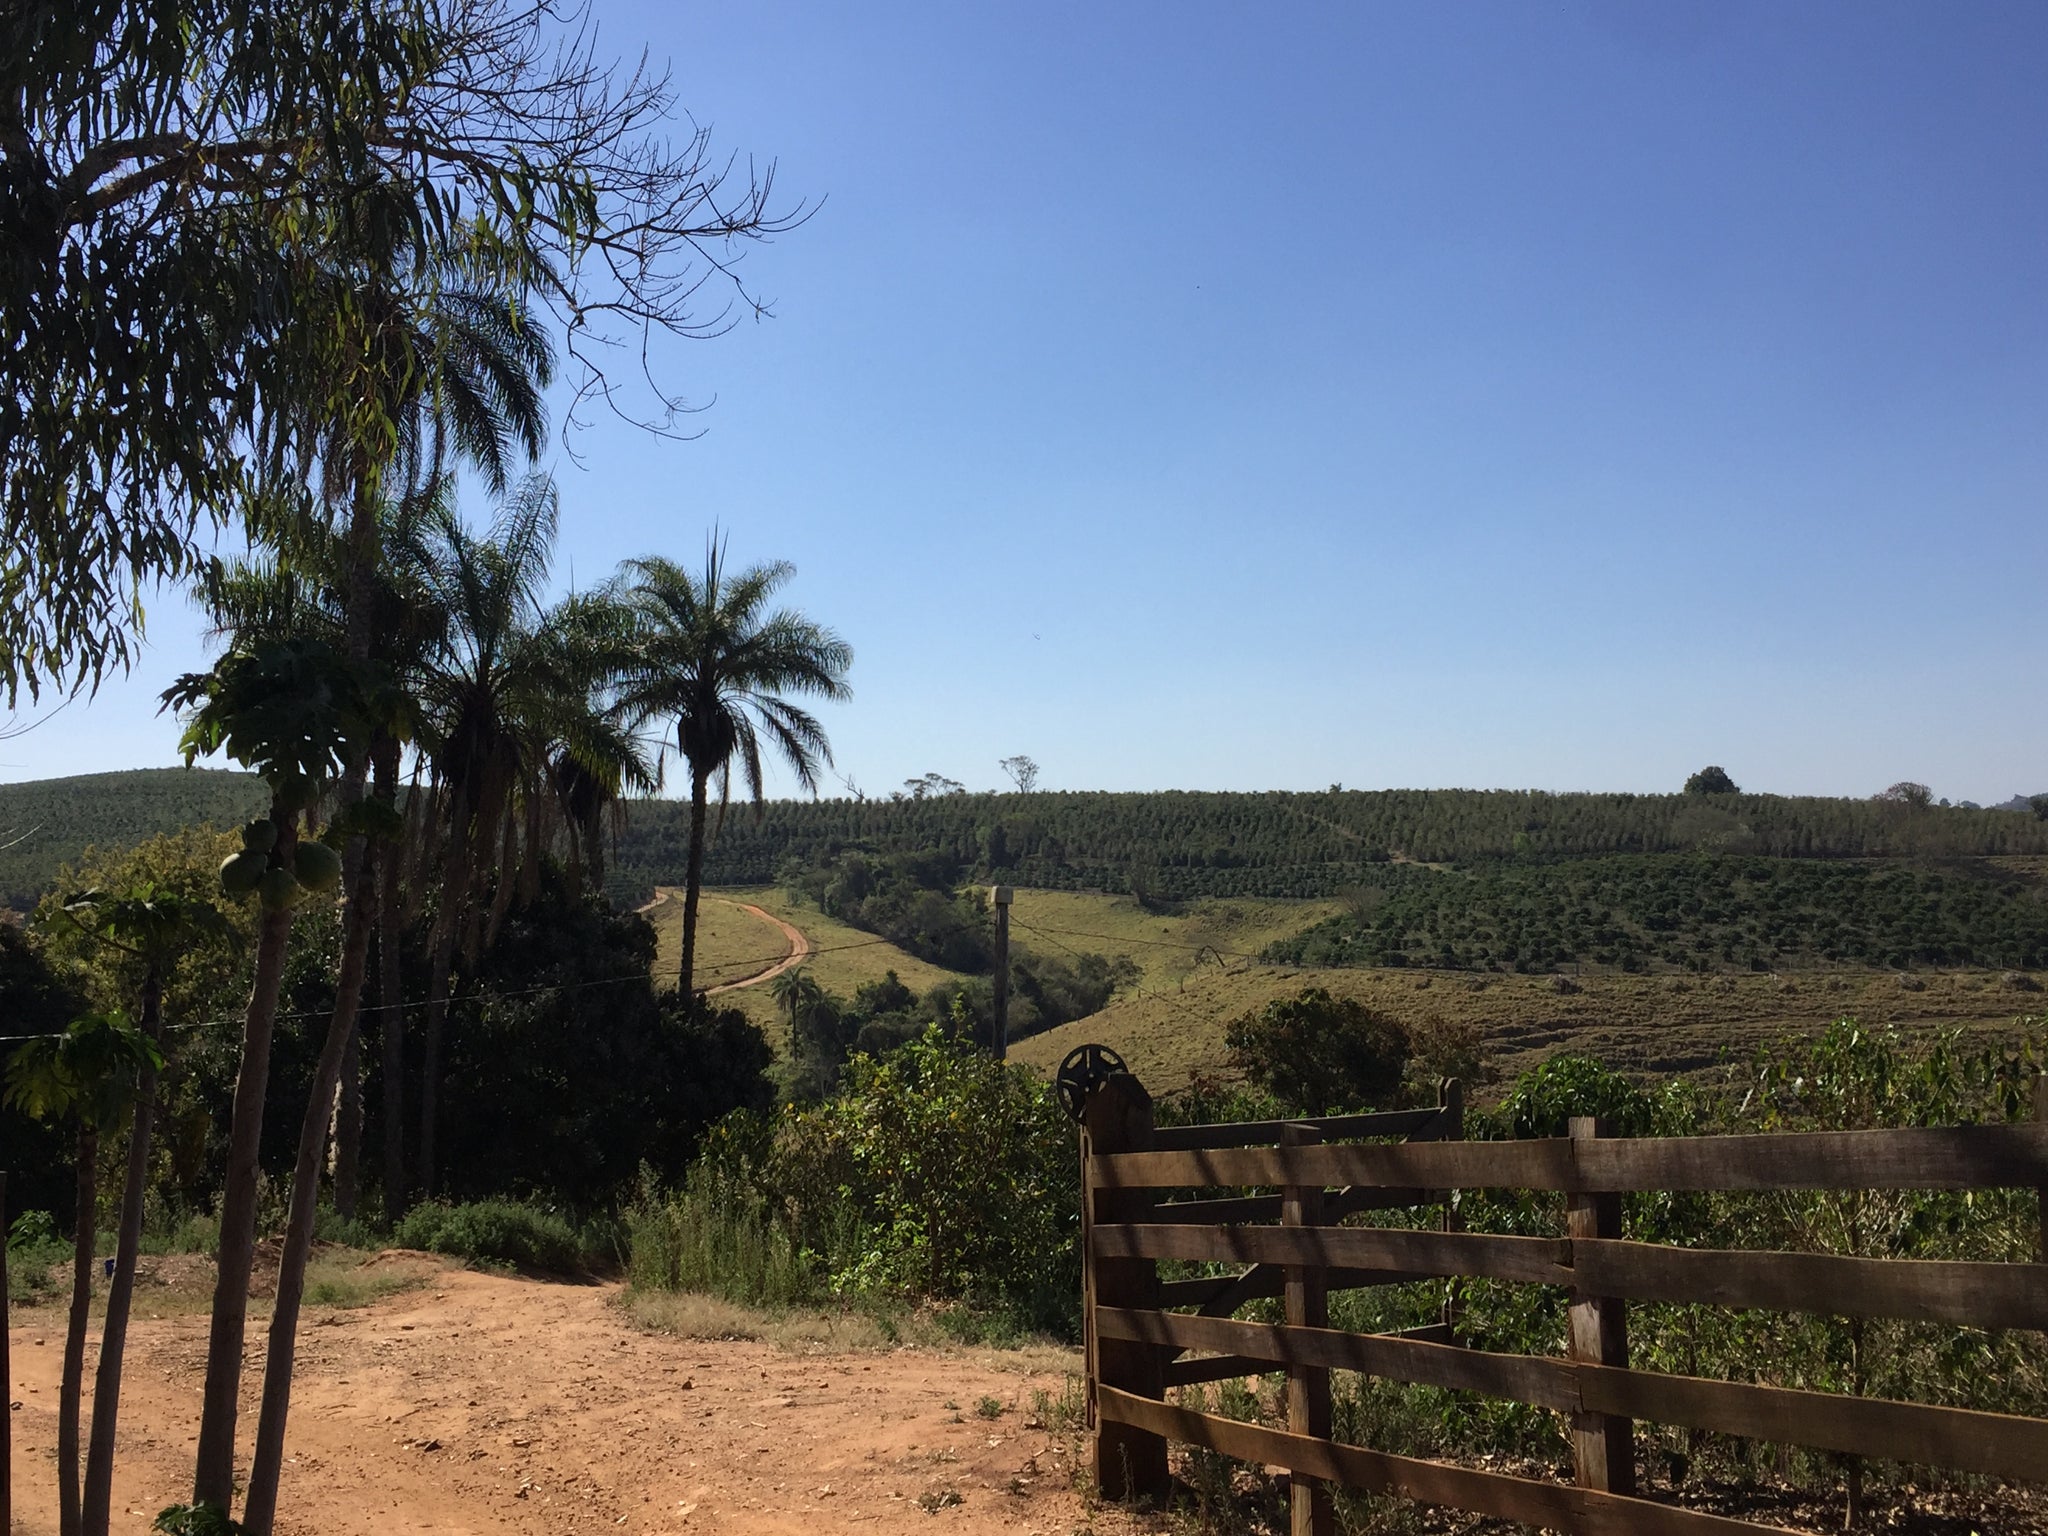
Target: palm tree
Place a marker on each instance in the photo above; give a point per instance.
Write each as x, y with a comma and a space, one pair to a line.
709, 655
445, 370
516, 731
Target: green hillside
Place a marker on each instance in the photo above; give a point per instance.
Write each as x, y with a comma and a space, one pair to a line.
1178, 844
1741, 879
47, 823
1690, 911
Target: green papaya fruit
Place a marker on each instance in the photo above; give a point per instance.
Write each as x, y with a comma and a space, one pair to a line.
260, 836
317, 866
239, 872
277, 889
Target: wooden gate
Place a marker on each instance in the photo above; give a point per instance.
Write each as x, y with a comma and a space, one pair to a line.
1139, 1330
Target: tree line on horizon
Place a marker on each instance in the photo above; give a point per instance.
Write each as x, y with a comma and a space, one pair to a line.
1183, 844
1171, 844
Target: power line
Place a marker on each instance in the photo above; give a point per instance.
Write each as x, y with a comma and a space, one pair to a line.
650, 976
1109, 938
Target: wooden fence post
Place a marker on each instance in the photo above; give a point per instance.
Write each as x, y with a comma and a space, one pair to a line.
2041, 1113
1128, 1462
1450, 1097
1603, 1444
1308, 1387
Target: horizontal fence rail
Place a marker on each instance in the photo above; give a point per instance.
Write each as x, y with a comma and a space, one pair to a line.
1947, 1157
1292, 1247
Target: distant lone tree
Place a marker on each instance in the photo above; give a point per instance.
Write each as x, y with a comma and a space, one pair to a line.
1712, 781
1912, 796
2040, 805
1023, 772
1319, 1053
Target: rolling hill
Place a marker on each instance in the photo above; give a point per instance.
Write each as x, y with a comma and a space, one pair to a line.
47, 823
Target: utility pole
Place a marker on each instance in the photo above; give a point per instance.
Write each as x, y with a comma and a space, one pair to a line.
1001, 895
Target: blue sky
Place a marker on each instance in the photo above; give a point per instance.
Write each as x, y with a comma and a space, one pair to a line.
1261, 397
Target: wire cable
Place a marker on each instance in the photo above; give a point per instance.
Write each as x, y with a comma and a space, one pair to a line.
649, 975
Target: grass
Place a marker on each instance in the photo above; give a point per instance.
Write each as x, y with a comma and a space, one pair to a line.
1169, 948
693, 1315
1655, 1025
345, 1278
731, 943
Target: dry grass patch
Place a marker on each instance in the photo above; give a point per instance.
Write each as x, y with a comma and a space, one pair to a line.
1658, 1026
348, 1277
845, 956
693, 1315
732, 942
1210, 934
690, 1315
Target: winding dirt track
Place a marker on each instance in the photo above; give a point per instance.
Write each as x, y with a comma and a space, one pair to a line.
799, 950
495, 1404
799, 943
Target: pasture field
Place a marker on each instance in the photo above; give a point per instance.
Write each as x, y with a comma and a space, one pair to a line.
1659, 1026
732, 944
1167, 947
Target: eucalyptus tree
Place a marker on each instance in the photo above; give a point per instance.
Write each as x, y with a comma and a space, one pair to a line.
710, 656
88, 1075
177, 177
151, 928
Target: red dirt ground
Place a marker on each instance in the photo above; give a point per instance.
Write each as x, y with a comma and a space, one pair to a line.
491, 1403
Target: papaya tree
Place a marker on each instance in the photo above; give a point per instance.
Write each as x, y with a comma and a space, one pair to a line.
296, 712
89, 1076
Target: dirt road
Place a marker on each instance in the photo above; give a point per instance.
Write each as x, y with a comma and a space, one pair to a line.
799, 944
489, 1403
799, 951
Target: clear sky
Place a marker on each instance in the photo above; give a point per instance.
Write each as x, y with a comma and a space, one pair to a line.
1201, 396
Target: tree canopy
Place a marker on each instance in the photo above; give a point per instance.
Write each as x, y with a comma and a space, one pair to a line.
182, 179
1711, 780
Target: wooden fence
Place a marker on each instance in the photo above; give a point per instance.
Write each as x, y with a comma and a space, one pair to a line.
1139, 1330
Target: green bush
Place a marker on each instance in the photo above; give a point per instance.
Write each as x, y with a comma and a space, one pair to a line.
937, 1172
495, 1231
1321, 1053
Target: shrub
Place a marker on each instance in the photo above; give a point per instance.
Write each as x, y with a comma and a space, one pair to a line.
494, 1231
1321, 1053
937, 1172
1545, 1100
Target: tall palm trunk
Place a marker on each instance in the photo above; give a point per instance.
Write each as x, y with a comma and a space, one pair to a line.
391, 1008
693, 880
71, 1390
359, 911
260, 1507
447, 926
106, 1390
213, 1478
